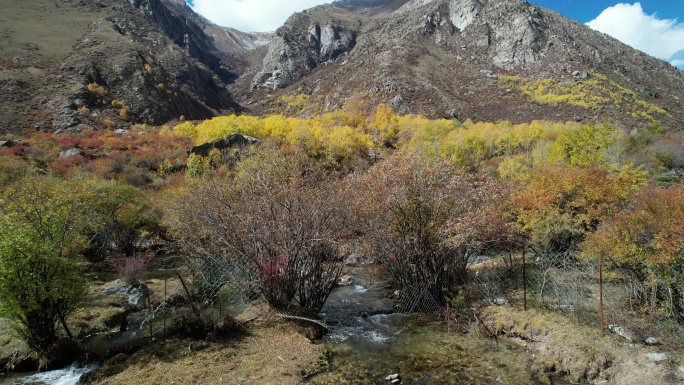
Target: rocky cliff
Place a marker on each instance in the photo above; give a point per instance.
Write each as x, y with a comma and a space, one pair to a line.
100, 63
467, 59
308, 40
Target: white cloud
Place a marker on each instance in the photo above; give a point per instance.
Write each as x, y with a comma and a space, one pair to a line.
661, 38
252, 15
677, 63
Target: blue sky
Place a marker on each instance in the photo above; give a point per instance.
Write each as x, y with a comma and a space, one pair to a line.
653, 26
587, 10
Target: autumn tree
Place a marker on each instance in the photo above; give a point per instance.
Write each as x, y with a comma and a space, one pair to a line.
647, 238
121, 217
41, 237
426, 221
561, 204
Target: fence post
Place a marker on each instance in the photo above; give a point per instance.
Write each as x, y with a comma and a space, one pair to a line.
166, 310
524, 278
601, 320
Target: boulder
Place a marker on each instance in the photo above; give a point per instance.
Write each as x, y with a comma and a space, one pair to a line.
70, 152
489, 73
233, 140
353, 259
621, 332
501, 301
6, 143
656, 357
345, 280
652, 341
134, 295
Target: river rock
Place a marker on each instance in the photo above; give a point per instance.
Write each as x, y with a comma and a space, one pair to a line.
135, 295
345, 280
353, 259
656, 357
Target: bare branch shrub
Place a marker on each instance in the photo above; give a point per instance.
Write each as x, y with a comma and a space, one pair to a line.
272, 221
426, 221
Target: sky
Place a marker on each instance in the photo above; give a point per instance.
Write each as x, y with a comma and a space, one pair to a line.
653, 26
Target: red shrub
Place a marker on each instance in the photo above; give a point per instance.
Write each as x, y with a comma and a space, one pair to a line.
18, 150
128, 268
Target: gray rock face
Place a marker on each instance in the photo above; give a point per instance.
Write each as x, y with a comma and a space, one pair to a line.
295, 52
186, 34
334, 42
463, 12
519, 36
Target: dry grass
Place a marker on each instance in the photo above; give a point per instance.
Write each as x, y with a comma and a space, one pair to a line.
271, 352
562, 346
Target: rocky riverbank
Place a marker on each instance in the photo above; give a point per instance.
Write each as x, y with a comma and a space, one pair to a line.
563, 347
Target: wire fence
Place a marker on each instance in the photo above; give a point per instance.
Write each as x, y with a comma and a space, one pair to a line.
632, 307
216, 289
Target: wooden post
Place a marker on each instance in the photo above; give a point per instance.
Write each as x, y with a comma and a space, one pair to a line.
151, 316
166, 310
524, 278
601, 320
192, 304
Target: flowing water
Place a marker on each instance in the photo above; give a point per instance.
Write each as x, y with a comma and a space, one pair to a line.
368, 343
66, 376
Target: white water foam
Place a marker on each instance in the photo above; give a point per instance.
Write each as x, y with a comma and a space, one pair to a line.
66, 376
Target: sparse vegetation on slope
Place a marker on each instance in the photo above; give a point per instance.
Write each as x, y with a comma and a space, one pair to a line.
593, 93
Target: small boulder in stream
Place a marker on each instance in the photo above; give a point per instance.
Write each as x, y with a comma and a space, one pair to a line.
125, 295
345, 280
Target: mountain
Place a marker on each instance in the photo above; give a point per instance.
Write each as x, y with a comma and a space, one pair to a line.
466, 59
76, 64
70, 65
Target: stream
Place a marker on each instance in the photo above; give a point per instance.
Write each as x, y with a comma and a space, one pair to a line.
368, 342
66, 376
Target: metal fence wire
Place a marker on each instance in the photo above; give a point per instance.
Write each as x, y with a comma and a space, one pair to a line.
223, 287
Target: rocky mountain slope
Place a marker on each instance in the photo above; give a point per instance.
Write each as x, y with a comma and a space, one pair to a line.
75, 64
465, 59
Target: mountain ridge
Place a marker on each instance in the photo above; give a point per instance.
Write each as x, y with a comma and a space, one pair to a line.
154, 61
447, 58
